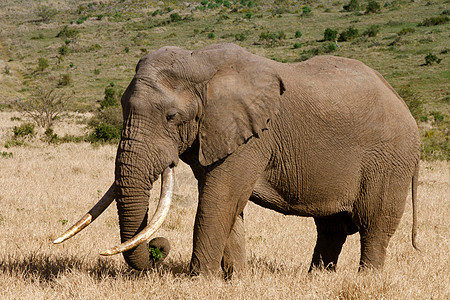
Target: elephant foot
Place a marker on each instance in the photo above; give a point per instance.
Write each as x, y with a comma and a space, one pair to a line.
158, 249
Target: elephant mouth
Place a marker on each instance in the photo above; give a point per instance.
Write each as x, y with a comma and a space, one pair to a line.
157, 220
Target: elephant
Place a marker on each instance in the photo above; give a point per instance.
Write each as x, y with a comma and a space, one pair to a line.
326, 138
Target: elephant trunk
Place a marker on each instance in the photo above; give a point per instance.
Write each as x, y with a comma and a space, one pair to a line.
133, 184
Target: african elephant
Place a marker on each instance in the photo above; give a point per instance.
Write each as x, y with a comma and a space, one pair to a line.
326, 138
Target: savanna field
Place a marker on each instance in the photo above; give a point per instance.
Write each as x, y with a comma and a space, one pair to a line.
63, 67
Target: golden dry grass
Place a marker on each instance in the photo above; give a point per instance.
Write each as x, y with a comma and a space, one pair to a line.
46, 188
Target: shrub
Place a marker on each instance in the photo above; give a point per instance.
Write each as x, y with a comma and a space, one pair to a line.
45, 106
353, 5
63, 50
46, 13
67, 32
330, 48
430, 58
349, 34
100, 17
297, 45
42, 64
306, 11
81, 20
329, 34
434, 21
65, 80
373, 7
175, 18
372, 31
105, 132
111, 97
406, 30
211, 35
240, 37
26, 130
298, 34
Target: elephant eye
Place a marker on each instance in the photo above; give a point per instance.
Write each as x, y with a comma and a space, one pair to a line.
172, 116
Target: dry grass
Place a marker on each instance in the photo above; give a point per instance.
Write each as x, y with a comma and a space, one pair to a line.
45, 188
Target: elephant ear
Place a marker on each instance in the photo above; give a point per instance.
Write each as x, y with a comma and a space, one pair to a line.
241, 99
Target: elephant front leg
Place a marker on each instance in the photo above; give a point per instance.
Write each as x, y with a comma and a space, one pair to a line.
219, 227
234, 259
218, 236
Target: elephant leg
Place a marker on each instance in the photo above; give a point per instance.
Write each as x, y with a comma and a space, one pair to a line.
332, 232
234, 259
379, 216
223, 193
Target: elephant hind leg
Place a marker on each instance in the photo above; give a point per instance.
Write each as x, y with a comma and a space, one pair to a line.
234, 255
332, 232
378, 215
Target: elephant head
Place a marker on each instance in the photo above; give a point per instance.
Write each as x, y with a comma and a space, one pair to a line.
207, 103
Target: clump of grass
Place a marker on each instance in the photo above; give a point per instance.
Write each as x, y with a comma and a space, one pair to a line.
65, 80
405, 31
25, 130
297, 45
42, 64
329, 34
372, 31
46, 13
67, 32
353, 5
430, 58
306, 11
298, 34
350, 33
373, 7
433, 21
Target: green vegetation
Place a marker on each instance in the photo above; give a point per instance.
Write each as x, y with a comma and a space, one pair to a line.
353, 5
329, 34
87, 45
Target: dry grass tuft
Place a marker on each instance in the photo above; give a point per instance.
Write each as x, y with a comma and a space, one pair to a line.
46, 188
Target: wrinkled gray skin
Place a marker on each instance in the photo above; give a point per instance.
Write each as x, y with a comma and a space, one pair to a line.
327, 138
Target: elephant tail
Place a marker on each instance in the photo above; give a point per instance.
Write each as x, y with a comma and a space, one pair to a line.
415, 184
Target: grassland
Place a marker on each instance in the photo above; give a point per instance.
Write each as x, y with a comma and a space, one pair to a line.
47, 186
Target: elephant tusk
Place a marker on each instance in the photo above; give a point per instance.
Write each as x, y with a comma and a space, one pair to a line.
87, 219
158, 218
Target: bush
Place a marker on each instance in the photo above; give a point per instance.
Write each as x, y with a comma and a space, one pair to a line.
65, 80
240, 37
434, 21
67, 32
329, 34
272, 36
175, 18
406, 30
42, 64
430, 58
46, 13
298, 34
63, 50
353, 5
26, 130
373, 7
105, 133
111, 98
306, 11
372, 31
349, 34
297, 45
211, 35
45, 106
